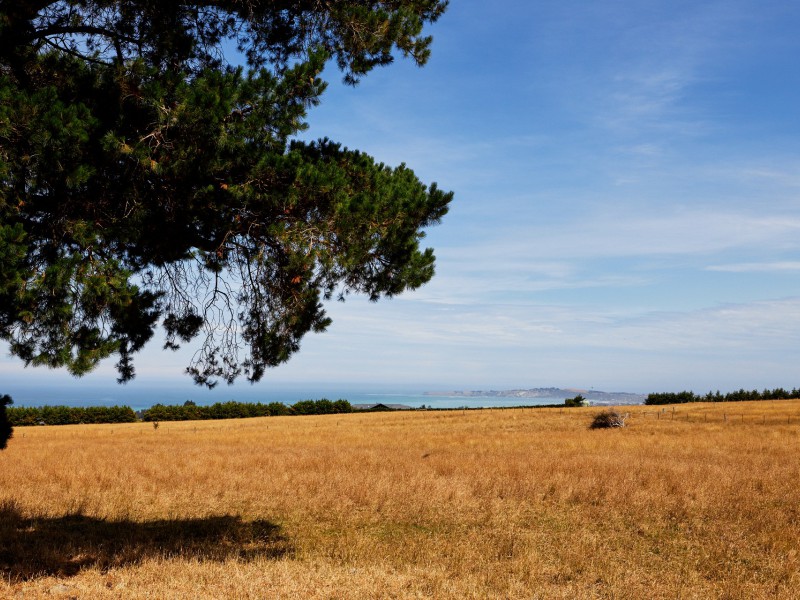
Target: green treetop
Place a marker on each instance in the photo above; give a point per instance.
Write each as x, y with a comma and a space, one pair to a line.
146, 180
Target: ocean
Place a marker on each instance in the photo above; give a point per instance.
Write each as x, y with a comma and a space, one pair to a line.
140, 396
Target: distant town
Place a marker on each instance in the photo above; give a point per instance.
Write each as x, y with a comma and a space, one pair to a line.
594, 396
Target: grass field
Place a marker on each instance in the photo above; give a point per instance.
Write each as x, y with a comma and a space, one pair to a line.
700, 503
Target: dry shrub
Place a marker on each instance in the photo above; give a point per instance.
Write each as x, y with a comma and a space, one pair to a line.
608, 419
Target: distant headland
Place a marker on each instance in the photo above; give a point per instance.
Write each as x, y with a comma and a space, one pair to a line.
594, 396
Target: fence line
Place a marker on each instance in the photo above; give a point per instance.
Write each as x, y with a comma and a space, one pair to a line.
725, 417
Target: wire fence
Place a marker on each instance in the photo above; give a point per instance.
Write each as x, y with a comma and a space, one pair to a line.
715, 416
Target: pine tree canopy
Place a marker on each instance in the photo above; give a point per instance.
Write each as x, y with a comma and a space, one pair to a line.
151, 176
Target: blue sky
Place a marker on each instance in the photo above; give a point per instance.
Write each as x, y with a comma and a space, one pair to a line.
626, 212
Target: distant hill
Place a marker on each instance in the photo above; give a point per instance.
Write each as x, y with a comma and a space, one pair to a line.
594, 396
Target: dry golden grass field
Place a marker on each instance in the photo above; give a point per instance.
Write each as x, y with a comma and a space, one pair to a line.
700, 503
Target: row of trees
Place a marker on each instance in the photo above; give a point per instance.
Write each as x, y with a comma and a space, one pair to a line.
190, 411
737, 396
69, 415
320, 407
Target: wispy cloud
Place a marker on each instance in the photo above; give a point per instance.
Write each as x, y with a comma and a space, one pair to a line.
647, 100
743, 327
614, 234
728, 345
765, 267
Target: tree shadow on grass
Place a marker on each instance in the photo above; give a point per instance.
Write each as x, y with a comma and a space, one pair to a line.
62, 546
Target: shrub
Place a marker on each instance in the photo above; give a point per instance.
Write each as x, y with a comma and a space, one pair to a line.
608, 419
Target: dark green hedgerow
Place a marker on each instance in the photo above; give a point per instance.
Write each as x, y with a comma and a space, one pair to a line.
190, 411
69, 415
741, 395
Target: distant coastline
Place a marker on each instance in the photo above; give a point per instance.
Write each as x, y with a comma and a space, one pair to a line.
594, 396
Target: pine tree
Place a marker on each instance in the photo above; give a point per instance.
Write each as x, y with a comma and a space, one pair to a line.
147, 177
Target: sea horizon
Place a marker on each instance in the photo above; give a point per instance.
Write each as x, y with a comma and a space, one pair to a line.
143, 395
